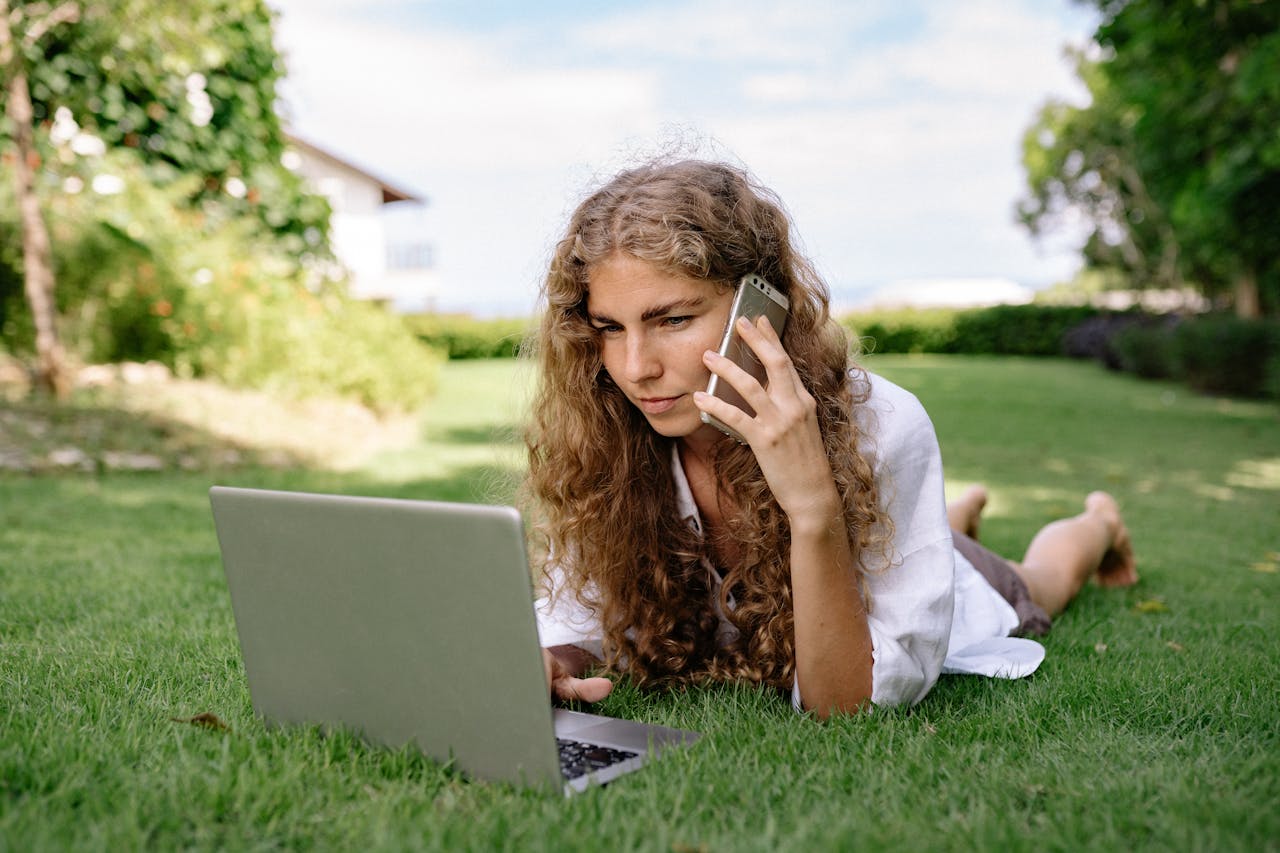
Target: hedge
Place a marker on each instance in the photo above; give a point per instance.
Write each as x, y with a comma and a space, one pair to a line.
1222, 354
1214, 353
1001, 330
462, 336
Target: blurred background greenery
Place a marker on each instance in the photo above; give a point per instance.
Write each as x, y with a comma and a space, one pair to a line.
142, 139
175, 233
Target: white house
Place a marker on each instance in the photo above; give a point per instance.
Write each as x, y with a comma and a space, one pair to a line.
376, 229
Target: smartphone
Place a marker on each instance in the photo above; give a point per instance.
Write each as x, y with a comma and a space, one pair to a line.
755, 296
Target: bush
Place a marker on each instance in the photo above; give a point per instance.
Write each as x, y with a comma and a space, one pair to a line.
1147, 349
1217, 354
1272, 386
279, 336
141, 276
119, 263
905, 330
1094, 337
1223, 354
998, 330
1016, 329
462, 336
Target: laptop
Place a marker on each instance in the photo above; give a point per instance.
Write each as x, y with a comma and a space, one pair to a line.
410, 622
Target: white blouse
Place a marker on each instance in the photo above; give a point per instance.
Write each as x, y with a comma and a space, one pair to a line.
930, 610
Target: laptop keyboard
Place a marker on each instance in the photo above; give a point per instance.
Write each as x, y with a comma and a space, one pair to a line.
577, 758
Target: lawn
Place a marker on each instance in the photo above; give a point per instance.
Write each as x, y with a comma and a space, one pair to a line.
1152, 723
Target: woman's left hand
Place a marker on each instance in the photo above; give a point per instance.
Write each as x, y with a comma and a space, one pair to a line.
784, 433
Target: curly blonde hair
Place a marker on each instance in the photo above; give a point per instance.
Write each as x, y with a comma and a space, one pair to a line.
600, 488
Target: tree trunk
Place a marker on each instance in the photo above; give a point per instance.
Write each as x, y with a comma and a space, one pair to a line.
1248, 303
37, 255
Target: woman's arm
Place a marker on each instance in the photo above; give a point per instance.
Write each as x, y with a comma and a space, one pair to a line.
570, 633
832, 640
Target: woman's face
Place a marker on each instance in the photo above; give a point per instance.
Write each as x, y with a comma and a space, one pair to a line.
653, 328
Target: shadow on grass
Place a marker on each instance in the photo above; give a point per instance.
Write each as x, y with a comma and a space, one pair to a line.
123, 506
1079, 429
477, 435
116, 614
86, 435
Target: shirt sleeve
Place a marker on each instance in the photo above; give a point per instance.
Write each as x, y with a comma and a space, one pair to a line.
912, 596
565, 621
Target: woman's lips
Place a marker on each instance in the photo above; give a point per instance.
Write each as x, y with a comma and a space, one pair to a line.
657, 405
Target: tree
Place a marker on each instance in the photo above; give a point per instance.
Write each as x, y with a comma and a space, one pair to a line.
1175, 164
187, 85
1081, 173
21, 30
191, 86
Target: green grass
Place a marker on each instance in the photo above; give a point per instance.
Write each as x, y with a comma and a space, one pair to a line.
1152, 724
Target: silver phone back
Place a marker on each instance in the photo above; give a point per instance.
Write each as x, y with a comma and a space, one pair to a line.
754, 297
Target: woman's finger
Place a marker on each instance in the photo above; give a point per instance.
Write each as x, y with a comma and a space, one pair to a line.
767, 346
725, 412
783, 394
748, 387
594, 689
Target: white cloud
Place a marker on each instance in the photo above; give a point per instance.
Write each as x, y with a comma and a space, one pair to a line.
734, 31
452, 98
891, 131
987, 48
490, 140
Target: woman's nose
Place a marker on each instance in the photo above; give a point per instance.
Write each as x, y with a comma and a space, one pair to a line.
642, 359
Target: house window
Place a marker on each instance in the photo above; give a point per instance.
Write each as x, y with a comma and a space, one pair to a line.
410, 256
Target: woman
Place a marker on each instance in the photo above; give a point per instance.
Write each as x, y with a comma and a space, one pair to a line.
817, 557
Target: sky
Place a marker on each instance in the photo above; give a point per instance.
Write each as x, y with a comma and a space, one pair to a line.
891, 129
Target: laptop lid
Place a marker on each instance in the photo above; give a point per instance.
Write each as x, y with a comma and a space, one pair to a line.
407, 621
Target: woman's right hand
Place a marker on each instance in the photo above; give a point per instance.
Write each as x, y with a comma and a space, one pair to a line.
563, 666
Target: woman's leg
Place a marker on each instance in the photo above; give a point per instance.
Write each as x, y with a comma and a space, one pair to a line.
1064, 554
965, 514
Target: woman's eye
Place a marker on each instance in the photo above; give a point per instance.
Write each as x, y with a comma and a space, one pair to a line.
608, 329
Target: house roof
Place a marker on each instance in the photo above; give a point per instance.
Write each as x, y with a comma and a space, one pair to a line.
390, 192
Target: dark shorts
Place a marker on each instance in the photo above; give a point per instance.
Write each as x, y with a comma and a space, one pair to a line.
1033, 621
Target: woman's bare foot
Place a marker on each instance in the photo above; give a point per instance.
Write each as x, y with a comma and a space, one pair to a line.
964, 515
1118, 566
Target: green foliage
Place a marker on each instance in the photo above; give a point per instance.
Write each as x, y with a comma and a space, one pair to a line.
1228, 355
1175, 163
1214, 353
1079, 167
997, 330
1017, 329
1147, 350
903, 330
1094, 337
178, 234
15, 329
1271, 384
190, 86
119, 258
1202, 78
143, 277
462, 336
286, 339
